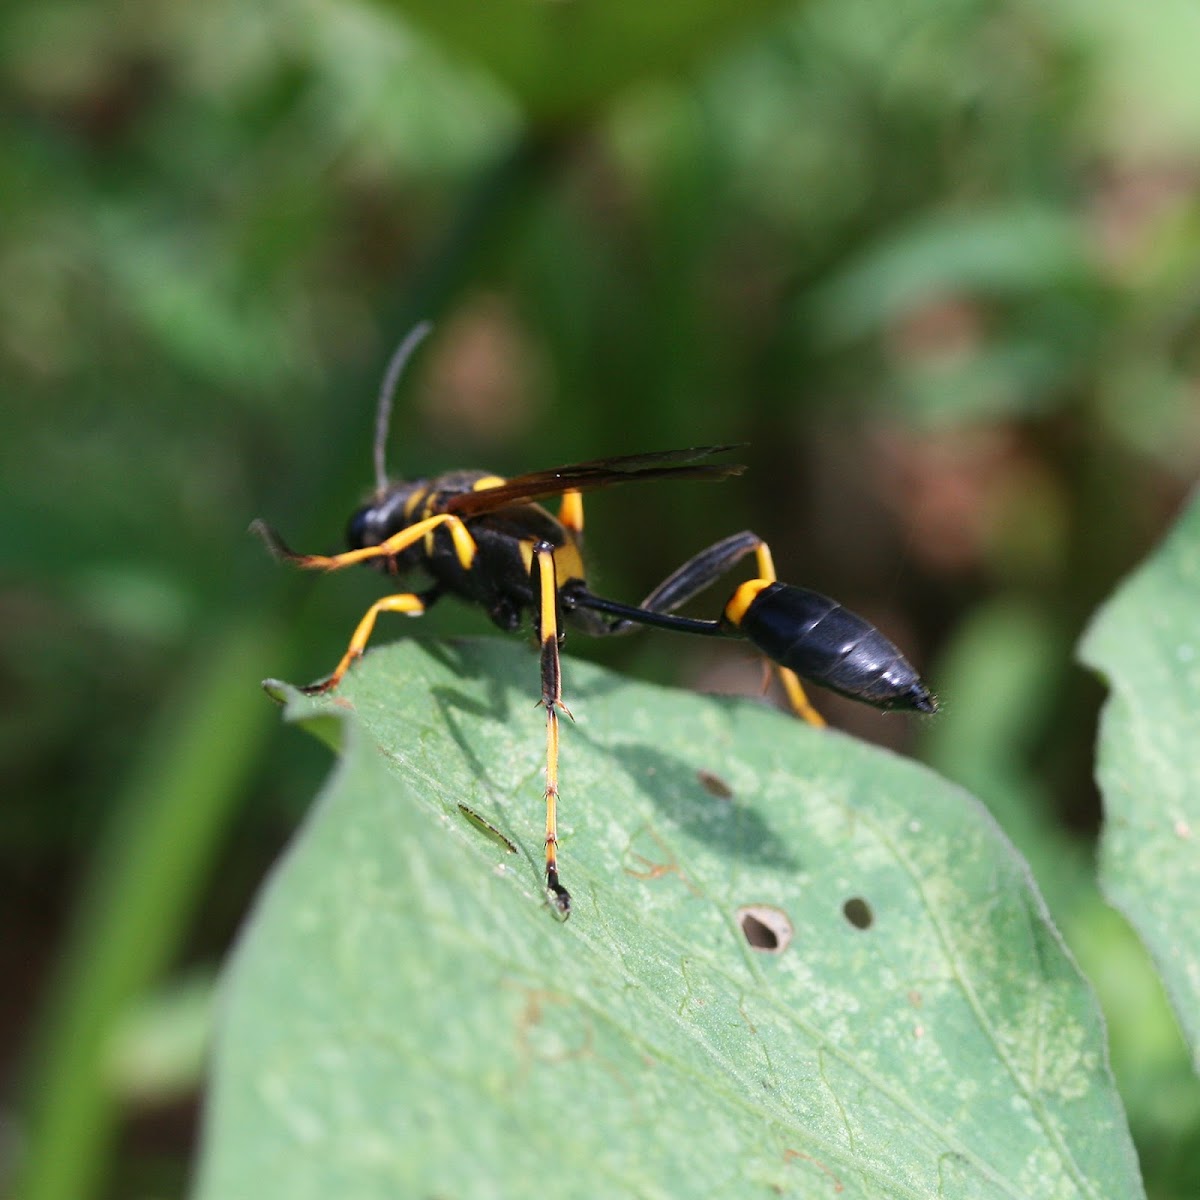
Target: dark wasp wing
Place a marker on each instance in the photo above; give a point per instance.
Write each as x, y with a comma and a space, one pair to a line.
598, 473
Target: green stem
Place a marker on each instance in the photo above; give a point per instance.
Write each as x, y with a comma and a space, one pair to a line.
144, 885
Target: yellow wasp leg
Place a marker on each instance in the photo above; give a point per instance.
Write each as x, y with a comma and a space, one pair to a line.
404, 602
570, 513
464, 545
547, 630
801, 705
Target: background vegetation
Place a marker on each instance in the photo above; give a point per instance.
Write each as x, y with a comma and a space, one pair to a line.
935, 262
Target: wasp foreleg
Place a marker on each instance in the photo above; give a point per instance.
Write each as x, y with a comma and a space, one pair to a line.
408, 603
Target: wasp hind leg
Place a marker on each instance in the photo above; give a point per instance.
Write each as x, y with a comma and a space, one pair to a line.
570, 515
706, 568
409, 603
703, 570
547, 604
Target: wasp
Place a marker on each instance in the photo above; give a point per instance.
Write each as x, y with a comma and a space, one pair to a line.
487, 540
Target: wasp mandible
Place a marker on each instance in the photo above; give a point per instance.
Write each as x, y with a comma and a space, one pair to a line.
487, 540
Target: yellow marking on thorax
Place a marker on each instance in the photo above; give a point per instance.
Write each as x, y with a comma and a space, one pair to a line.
488, 481
410, 505
741, 600
426, 512
568, 563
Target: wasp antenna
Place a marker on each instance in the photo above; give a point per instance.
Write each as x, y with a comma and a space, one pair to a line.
273, 541
387, 391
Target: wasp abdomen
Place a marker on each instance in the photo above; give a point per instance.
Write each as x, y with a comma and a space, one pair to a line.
820, 640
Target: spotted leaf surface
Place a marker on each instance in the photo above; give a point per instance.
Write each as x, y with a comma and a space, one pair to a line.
1146, 643
796, 966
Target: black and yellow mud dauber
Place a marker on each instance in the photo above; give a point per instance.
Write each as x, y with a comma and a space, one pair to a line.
486, 540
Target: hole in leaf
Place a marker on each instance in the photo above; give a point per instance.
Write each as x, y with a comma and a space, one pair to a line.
858, 912
715, 785
765, 928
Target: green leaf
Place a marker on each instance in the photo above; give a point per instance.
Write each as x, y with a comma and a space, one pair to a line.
1146, 642
562, 59
405, 1016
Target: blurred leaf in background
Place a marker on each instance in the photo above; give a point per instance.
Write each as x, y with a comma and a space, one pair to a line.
935, 262
1143, 641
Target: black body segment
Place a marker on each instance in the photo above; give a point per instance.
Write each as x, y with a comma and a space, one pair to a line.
826, 643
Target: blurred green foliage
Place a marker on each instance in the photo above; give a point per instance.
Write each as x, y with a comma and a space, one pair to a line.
935, 262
